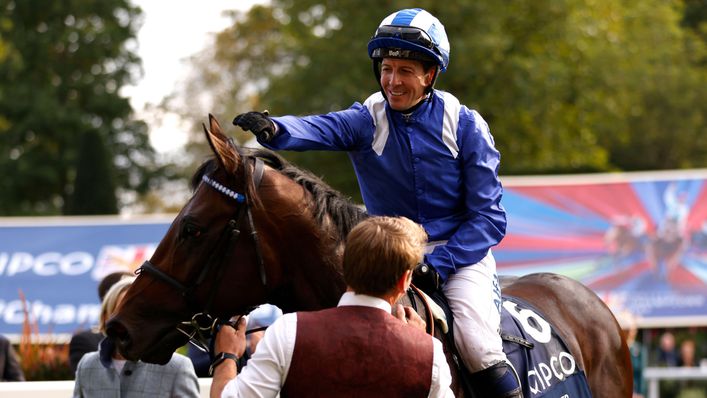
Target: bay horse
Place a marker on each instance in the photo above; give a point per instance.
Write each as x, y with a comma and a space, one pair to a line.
259, 230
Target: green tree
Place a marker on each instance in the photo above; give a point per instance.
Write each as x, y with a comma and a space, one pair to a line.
695, 18
94, 189
566, 85
665, 121
63, 67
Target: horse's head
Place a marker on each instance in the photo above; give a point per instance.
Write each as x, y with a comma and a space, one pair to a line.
250, 234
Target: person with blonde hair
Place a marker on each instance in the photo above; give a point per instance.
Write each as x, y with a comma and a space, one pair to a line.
359, 347
107, 373
85, 341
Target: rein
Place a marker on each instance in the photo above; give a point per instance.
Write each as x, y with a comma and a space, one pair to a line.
202, 323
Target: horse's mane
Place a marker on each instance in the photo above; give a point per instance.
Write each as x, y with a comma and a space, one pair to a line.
328, 204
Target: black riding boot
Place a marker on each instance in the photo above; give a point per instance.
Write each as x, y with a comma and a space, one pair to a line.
498, 381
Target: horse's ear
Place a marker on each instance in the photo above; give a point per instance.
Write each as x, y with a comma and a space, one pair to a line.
223, 147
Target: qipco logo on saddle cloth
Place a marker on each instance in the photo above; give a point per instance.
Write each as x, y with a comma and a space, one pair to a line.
551, 363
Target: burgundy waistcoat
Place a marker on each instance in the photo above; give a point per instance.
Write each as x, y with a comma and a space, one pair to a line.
358, 351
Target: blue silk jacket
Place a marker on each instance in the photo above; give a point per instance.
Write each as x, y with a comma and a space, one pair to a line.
437, 166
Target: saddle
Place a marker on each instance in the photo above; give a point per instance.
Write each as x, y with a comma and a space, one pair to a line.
535, 350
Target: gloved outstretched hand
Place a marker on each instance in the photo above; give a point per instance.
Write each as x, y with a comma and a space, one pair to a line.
258, 123
426, 278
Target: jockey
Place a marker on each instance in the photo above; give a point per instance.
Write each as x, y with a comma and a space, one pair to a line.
419, 153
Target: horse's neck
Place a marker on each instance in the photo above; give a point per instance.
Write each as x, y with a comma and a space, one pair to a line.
311, 260
317, 285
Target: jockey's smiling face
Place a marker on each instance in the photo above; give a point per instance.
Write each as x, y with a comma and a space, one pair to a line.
404, 82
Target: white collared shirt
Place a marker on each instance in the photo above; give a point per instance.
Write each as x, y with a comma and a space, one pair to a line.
267, 370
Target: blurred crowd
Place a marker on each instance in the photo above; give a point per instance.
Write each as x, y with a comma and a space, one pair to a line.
667, 347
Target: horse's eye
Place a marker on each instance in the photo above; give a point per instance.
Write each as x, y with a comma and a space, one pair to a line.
191, 231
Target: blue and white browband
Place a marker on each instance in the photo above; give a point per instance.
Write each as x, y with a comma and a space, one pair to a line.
240, 198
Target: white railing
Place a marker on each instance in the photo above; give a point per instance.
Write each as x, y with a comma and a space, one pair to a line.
61, 389
654, 375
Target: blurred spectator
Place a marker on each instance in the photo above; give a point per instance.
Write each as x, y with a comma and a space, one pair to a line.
107, 373
689, 388
687, 354
86, 341
10, 369
699, 336
638, 353
667, 351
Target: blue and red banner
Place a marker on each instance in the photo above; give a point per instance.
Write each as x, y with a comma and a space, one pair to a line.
639, 240
50, 268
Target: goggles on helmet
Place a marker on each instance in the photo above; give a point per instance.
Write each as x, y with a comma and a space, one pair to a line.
407, 33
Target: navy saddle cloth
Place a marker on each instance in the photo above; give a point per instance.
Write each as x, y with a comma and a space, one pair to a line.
545, 365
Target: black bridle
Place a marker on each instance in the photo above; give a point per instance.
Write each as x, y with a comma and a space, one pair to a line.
202, 323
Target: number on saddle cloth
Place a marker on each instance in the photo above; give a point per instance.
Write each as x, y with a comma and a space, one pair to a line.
546, 367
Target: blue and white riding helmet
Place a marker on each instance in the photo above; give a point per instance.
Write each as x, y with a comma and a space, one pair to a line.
412, 34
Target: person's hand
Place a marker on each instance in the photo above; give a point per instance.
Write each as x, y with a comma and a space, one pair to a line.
409, 316
231, 339
426, 278
258, 123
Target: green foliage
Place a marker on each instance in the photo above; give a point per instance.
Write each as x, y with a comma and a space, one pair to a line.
566, 85
94, 190
62, 64
695, 19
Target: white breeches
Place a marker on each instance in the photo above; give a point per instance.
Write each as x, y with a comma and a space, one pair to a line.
474, 296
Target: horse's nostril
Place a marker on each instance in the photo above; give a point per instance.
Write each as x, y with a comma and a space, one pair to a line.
118, 333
